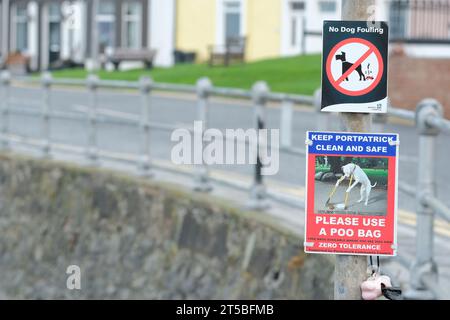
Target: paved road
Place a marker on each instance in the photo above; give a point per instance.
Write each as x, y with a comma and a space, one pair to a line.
225, 114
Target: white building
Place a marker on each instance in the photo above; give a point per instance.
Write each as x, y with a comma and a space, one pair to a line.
421, 27
51, 31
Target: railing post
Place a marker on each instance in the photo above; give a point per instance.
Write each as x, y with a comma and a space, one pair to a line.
286, 123
258, 192
322, 118
5, 81
145, 84
426, 186
202, 183
92, 150
46, 82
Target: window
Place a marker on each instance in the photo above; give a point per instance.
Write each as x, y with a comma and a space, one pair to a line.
106, 24
21, 21
294, 22
296, 12
54, 27
327, 6
232, 19
397, 18
297, 5
132, 26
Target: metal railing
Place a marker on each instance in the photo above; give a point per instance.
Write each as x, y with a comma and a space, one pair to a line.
419, 21
428, 119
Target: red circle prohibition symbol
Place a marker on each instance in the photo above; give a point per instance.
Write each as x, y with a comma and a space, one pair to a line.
372, 49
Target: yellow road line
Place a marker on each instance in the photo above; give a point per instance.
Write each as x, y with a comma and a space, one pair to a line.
404, 216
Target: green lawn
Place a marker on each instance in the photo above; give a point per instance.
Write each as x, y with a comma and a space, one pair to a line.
300, 74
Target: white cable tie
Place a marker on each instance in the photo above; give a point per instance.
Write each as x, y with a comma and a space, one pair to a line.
394, 143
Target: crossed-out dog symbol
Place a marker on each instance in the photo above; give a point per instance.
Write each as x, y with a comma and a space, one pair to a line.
347, 65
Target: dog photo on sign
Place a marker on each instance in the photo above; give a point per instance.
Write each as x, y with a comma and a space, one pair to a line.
351, 185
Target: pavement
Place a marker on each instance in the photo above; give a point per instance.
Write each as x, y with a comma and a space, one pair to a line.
181, 111
376, 206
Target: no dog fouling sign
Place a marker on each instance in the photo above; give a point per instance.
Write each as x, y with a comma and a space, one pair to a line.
354, 66
351, 193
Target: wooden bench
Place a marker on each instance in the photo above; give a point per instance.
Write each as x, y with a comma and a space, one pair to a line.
125, 54
233, 50
17, 63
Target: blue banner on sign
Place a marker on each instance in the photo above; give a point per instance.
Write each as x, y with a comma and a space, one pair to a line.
340, 143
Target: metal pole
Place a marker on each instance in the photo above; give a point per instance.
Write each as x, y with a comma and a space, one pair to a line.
426, 186
357, 10
145, 163
46, 81
322, 118
286, 123
204, 87
379, 122
351, 271
258, 193
5, 80
92, 152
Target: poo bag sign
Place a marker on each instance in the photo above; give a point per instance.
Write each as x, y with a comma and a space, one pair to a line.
351, 193
354, 66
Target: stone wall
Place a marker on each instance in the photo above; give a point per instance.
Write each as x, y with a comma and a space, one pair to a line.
138, 239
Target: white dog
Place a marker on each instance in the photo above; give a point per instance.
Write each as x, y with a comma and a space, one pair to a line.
360, 177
